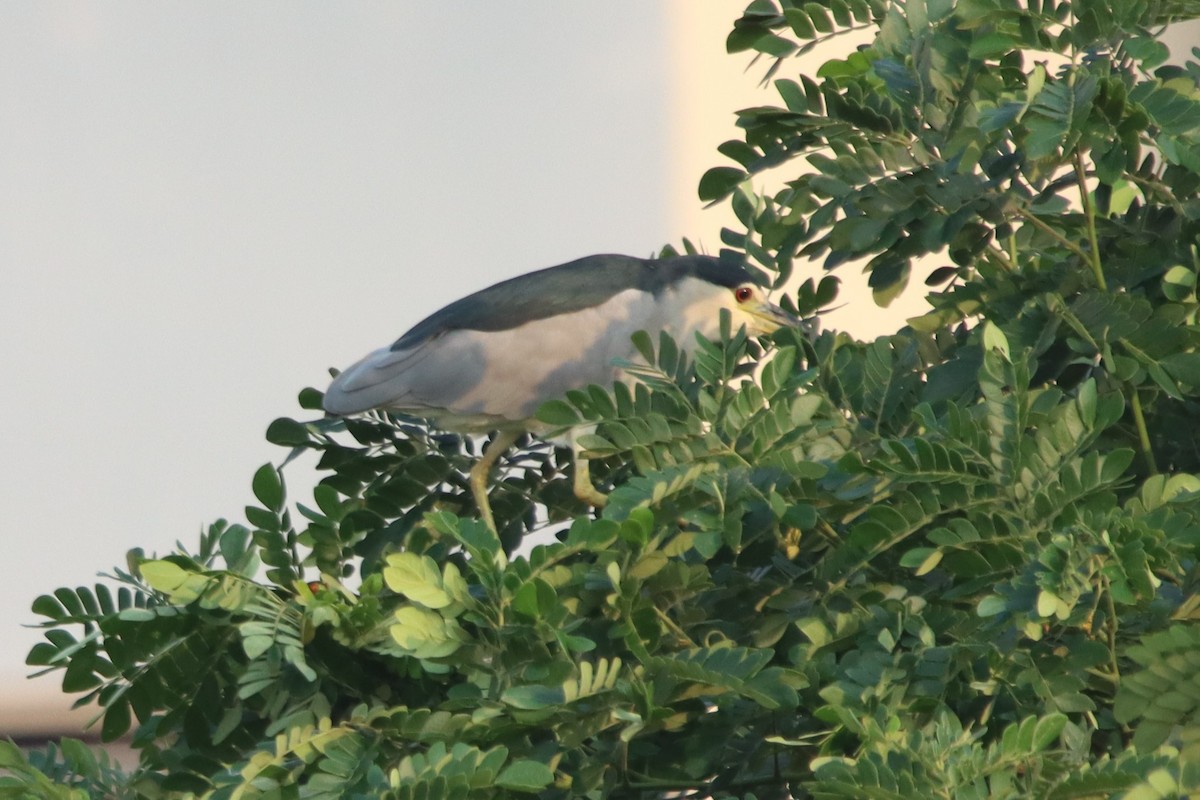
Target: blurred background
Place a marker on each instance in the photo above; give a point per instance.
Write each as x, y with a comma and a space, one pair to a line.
203, 207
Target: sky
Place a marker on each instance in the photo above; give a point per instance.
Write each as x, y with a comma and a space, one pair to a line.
203, 207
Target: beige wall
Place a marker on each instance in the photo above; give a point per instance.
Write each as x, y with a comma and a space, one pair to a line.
709, 85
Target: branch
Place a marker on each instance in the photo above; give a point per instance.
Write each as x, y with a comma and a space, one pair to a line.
1089, 214
1139, 421
1052, 233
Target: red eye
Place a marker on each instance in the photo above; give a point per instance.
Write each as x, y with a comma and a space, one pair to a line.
743, 293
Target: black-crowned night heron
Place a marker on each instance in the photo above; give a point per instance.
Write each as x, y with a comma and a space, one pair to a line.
486, 362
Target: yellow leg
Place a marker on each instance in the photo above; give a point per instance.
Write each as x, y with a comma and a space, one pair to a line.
584, 489
483, 467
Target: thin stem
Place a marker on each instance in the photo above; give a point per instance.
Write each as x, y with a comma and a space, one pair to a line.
1002, 258
1139, 421
690, 788
1104, 676
1111, 624
1058, 237
1158, 187
1089, 214
670, 623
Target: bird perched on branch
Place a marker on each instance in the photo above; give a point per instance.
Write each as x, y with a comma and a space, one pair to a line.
486, 362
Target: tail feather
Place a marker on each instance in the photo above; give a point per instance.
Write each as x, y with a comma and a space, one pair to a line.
377, 380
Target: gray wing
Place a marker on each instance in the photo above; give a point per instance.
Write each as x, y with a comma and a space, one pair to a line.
400, 380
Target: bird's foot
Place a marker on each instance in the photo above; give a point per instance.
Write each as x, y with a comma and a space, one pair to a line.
584, 489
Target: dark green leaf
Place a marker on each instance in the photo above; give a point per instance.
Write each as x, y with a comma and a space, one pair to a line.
268, 487
719, 182
525, 776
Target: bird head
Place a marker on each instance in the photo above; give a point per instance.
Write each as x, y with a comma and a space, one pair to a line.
748, 305
702, 287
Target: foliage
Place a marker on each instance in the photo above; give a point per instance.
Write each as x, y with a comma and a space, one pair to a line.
959, 561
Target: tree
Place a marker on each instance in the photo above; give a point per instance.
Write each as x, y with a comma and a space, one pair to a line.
959, 561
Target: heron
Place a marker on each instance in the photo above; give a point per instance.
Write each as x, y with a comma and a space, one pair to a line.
486, 362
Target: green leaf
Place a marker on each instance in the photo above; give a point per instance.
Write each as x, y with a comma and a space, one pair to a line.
1183, 367
481, 541
47, 606
268, 487
287, 432
774, 46
164, 576
1179, 283
525, 776
991, 45
719, 182
792, 93
991, 605
995, 340
799, 22
533, 697
425, 633
117, 720
418, 578
922, 560
311, 399
1149, 51
558, 413
255, 646
535, 599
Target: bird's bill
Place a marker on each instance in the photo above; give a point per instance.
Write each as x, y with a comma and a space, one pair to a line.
770, 317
